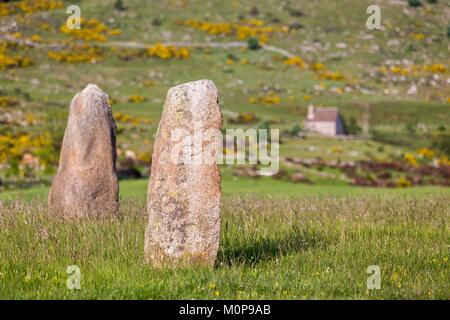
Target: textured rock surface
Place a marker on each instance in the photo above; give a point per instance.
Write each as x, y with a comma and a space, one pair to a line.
184, 198
86, 181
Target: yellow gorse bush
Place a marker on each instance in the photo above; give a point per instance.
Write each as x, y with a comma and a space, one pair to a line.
403, 183
415, 69
126, 118
164, 52
331, 75
91, 30
444, 161
32, 6
29, 6
318, 66
136, 98
296, 61
411, 159
266, 99
77, 54
336, 150
242, 31
435, 68
6, 9
7, 61
6, 101
426, 153
14, 147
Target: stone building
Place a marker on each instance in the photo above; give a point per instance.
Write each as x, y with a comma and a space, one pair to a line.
324, 121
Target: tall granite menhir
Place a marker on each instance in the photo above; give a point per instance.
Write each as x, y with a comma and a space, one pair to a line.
86, 182
184, 196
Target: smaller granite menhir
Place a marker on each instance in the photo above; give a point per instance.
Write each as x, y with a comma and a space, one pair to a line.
184, 197
86, 182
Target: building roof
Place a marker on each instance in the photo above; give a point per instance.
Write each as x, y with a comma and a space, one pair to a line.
325, 114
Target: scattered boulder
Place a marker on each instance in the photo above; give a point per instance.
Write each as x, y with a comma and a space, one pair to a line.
184, 197
86, 182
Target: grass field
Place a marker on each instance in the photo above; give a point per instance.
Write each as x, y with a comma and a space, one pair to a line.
282, 243
303, 248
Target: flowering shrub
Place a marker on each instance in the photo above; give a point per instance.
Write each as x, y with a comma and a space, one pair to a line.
318, 66
444, 161
336, 150
411, 159
7, 62
29, 6
244, 118
403, 183
435, 68
126, 118
6, 9
6, 101
32, 6
91, 30
296, 61
267, 99
136, 99
16, 151
168, 52
77, 54
330, 75
426, 153
242, 30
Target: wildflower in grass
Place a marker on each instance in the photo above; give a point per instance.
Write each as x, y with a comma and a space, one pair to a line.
419, 36
111, 101
114, 32
336, 150
36, 38
148, 83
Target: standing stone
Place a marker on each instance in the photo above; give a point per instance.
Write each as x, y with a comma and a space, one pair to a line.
86, 182
184, 197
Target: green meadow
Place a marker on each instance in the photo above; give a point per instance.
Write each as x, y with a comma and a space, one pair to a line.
378, 196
